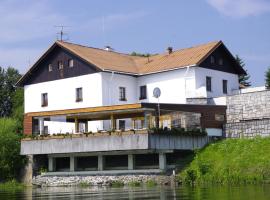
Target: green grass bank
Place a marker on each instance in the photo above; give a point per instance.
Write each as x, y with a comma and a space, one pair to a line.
230, 161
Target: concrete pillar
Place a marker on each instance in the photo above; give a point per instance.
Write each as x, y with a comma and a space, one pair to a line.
71, 164
27, 171
131, 162
162, 161
100, 163
51, 164
76, 125
41, 126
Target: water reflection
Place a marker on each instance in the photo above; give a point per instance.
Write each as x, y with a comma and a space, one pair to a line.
208, 193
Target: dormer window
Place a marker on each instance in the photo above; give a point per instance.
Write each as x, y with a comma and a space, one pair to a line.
60, 65
70, 63
212, 59
50, 67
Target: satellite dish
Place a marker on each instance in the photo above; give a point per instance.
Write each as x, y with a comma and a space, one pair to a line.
156, 92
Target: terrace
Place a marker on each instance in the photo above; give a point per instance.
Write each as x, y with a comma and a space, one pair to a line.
150, 129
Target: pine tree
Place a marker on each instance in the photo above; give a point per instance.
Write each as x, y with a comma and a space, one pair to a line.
244, 78
267, 78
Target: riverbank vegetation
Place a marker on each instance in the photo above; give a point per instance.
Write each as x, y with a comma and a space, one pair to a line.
12, 185
11, 124
230, 161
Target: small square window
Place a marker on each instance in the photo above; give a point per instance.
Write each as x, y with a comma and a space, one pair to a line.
122, 94
79, 95
44, 99
50, 67
70, 63
60, 65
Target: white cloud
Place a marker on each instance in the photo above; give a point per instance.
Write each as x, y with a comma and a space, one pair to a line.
240, 8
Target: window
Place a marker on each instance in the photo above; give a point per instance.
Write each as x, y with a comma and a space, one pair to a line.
70, 63
225, 86
212, 59
60, 65
143, 92
50, 67
122, 125
208, 84
122, 94
44, 99
220, 61
79, 95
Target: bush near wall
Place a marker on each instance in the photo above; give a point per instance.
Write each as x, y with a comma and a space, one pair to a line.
232, 161
11, 161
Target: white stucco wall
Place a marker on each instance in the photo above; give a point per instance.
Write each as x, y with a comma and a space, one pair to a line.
174, 85
110, 88
216, 77
62, 94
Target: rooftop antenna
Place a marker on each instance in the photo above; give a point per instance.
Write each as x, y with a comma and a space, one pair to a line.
61, 33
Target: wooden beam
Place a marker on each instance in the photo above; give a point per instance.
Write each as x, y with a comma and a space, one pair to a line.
85, 110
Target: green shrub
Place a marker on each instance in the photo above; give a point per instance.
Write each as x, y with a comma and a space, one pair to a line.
134, 183
151, 183
117, 183
11, 185
84, 184
11, 162
233, 161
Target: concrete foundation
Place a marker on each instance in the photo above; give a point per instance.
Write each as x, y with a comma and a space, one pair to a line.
27, 172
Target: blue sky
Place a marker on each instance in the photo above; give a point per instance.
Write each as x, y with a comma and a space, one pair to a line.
146, 26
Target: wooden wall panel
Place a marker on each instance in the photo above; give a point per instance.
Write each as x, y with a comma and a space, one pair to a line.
27, 125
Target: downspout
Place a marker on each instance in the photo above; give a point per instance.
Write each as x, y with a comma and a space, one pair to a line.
110, 87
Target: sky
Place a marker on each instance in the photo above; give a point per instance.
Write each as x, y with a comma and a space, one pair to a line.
28, 27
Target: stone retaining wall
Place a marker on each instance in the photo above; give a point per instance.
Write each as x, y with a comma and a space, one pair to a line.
248, 128
52, 181
248, 114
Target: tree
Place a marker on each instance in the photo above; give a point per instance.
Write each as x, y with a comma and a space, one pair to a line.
8, 79
267, 78
244, 78
10, 159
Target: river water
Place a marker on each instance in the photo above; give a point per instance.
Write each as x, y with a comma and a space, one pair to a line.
250, 192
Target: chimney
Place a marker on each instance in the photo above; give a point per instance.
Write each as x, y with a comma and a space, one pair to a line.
169, 50
108, 48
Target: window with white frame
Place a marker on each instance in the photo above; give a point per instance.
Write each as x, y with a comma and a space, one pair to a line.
44, 99
208, 84
79, 94
70, 63
50, 67
60, 65
122, 94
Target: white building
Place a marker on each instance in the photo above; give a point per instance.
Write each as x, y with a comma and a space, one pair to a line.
71, 76
75, 91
